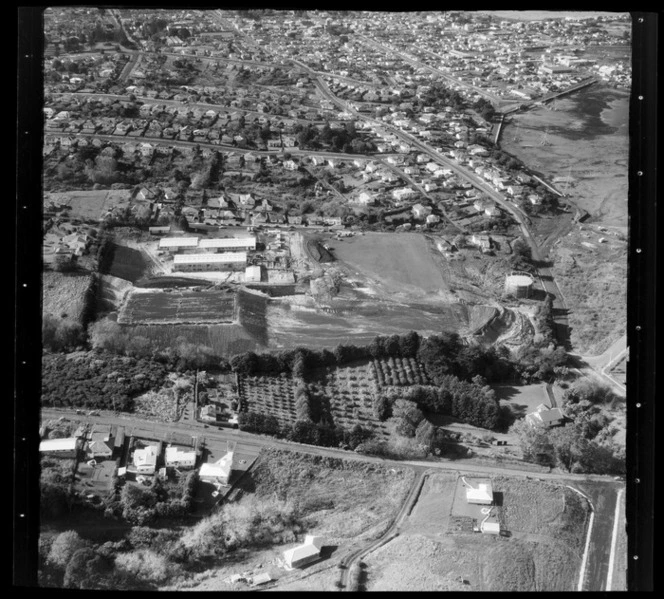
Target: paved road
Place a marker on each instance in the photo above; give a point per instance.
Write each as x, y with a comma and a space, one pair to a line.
603, 497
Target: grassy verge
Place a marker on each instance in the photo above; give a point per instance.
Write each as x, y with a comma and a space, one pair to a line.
342, 499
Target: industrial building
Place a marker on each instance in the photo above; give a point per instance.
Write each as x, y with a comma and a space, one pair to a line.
209, 262
62, 448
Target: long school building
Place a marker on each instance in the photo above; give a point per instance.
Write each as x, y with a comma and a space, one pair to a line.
228, 244
209, 262
215, 244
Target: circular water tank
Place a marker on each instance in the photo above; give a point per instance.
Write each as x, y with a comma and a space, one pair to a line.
519, 285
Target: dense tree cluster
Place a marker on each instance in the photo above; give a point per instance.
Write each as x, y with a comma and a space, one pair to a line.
140, 505
98, 380
471, 402
484, 108
585, 443
447, 354
62, 334
337, 139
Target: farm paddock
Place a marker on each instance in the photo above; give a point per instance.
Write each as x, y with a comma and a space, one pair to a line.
90, 205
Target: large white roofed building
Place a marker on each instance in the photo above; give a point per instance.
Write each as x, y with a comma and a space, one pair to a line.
209, 262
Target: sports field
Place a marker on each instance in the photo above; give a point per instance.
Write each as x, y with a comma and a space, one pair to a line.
400, 262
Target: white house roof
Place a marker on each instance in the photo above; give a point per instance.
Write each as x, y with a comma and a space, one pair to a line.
221, 469
146, 456
68, 444
310, 548
174, 454
478, 490
546, 416
169, 242
300, 552
228, 257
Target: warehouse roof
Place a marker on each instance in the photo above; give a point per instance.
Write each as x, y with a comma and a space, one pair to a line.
169, 242
210, 258
68, 444
224, 242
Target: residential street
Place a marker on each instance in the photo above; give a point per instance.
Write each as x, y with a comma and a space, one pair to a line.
601, 489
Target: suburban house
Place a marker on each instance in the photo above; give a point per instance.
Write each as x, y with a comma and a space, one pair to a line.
478, 490
145, 459
209, 413
402, 193
544, 415
100, 442
365, 198
303, 554
421, 211
219, 472
176, 458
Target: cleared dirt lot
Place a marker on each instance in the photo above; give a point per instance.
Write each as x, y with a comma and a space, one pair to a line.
401, 263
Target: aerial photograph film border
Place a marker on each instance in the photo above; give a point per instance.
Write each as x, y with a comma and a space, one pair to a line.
345, 272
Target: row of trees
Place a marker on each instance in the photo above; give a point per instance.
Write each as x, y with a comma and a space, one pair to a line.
304, 431
301, 360
109, 336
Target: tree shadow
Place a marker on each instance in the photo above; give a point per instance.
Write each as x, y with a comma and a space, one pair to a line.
538, 295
